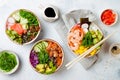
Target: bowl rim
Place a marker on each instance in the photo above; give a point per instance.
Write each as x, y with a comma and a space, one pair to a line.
86, 56
16, 67
116, 19
37, 33
47, 39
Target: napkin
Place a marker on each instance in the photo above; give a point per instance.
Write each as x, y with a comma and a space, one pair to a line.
70, 19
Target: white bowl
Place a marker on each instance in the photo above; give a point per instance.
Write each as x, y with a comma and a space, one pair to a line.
116, 18
16, 67
110, 50
34, 37
51, 41
94, 27
50, 19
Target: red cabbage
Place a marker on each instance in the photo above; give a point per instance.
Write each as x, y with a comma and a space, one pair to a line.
34, 58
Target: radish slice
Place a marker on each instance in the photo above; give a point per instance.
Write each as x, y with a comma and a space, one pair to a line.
85, 27
11, 20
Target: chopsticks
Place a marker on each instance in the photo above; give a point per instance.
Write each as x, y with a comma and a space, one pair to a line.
71, 63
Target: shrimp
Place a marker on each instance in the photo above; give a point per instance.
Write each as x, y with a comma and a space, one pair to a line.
75, 47
75, 36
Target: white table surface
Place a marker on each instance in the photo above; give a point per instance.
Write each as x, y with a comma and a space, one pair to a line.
106, 68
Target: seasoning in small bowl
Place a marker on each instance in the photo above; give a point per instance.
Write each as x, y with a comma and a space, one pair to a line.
109, 17
50, 13
115, 50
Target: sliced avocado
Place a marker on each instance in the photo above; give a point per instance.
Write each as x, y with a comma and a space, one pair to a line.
48, 70
40, 46
54, 68
45, 43
40, 68
46, 65
100, 37
37, 48
25, 26
23, 21
92, 32
94, 36
95, 40
51, 64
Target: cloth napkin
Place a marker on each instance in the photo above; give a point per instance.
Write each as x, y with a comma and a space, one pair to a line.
70, 19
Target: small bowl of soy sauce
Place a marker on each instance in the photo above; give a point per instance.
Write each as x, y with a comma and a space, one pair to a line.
50, 13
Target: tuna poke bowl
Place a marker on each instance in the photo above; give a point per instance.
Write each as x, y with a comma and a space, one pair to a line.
83, 36
22, 27
46, 56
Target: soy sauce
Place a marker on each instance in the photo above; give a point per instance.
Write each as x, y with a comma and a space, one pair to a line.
49, 12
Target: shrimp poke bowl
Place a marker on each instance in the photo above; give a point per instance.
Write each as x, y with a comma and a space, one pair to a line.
83, 36
22, 27
46, 56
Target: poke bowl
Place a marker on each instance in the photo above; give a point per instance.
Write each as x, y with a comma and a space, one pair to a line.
22, 27
9, 62
46, 56
83, 36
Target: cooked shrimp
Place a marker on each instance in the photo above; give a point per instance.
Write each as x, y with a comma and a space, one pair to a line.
75, 36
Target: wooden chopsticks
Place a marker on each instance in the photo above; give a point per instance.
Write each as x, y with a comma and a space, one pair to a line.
71, 63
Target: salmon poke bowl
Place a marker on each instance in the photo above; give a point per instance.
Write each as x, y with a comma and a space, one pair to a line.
83, 36
22, 27
46, 56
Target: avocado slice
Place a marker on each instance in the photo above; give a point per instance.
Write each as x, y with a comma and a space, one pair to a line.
48, 70
40, 68
51, 64
100, 36
95, 40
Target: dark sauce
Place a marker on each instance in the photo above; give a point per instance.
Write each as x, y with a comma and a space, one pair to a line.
114, 48
49, 12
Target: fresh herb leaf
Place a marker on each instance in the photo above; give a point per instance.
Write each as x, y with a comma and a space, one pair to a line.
87, 40
32, 20
42, 53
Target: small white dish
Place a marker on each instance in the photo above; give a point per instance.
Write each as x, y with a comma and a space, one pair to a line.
15, 68
53, 13
107, 16
115, 47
